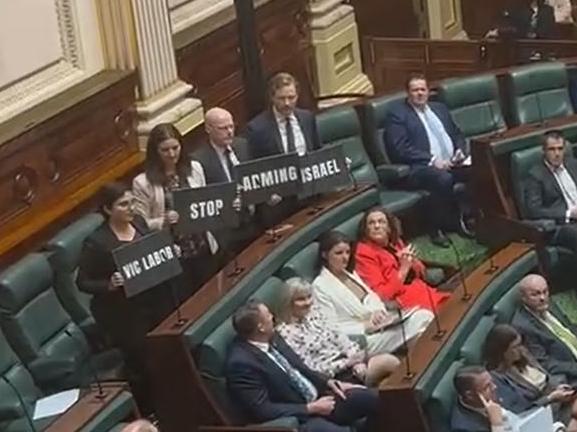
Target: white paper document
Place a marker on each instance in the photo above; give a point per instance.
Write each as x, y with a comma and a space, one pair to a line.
55, 404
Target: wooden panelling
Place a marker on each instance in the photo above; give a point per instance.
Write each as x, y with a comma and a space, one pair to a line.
390, 18
83, 138
213, 63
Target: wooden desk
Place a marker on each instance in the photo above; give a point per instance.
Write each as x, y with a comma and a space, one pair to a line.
86, 409
491, 174
399, 399
182, 401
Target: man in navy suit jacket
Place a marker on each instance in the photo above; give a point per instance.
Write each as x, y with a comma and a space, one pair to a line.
269, 381
283, 128
422, 134
218, 157
533, 321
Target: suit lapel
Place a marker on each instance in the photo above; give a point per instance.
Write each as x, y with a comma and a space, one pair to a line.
547, 174
216, 165
418, 125
275, 132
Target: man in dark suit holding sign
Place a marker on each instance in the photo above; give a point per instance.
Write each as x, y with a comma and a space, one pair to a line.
282, 129
218, 157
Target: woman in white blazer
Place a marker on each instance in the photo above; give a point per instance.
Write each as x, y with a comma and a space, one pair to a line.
352, 307
168, 168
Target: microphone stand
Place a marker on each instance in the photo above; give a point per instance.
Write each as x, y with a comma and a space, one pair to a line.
237, 269
492, 266
440, 331
352, 177
409, 374
22, 403
180, 321
101, 394
542, 121
466, 295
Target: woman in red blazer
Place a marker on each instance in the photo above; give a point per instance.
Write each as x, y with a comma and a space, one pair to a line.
390, 267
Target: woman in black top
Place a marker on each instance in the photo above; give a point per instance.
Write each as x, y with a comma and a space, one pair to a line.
125, 321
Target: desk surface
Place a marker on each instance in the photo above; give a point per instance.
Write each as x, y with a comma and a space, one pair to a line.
87, 407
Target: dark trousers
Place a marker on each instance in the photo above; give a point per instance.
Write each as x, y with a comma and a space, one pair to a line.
360, 406
566, 236
442, 204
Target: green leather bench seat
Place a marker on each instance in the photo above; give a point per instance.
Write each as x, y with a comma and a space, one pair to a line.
41, 332
211, 355
351, 227
539, 91
474, 104
472, 349
442, 400
492, 293
201, 328
66, 247
341, 126
302, 264
507, 305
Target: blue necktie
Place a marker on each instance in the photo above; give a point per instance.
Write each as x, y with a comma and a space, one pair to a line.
446, 153
304, 386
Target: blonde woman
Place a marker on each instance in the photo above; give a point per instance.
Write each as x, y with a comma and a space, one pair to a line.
323, 348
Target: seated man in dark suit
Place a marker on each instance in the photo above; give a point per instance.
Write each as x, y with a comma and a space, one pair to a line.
546, 331
269, 381
422, 134
477, 408
551, 190
218, 157
283, 128
533, 19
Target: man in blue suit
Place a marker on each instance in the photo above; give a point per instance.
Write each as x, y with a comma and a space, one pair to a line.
269, 381
422, 134
283, 128
546, 331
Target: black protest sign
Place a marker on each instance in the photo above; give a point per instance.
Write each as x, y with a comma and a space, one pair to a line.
147, 262
263, 177
206, 208
323, 170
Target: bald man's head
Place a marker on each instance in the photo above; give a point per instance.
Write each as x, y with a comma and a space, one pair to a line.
140, 426
219, 126
534, 293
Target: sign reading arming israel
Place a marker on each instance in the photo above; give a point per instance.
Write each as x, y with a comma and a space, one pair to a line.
260, 178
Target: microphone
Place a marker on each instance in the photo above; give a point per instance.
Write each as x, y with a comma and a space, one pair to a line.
440, 331
180, 321
101, 394
492, 266
351, 176
542, 121
22, 403
409, 374
237, 269
466, 295
498, 133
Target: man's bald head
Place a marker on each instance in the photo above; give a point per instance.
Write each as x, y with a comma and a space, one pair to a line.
534, 292
140, 426
219, 126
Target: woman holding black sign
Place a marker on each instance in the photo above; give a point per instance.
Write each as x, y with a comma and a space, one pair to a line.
125, 321
167, 168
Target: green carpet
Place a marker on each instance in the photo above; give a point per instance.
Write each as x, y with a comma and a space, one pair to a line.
470, 252
567, 302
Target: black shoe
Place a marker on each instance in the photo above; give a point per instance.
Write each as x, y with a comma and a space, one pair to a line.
466, 228
438, 238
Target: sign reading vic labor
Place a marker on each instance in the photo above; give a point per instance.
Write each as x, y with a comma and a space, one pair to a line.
323, 170
147, 262
206, 208
263, 177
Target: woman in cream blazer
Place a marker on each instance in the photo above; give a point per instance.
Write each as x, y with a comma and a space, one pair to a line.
166, 169
353, 307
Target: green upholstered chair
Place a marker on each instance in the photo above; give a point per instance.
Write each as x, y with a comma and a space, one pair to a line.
350, 227
474, 104
442, 400
211, 356
472, 348
302, 264
507, 305
538, 92
42, 334
341, 126
66, 247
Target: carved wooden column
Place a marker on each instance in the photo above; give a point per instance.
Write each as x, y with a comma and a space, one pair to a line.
336, 43
137, 34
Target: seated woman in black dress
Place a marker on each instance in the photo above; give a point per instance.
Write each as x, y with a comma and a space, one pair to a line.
125, 321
